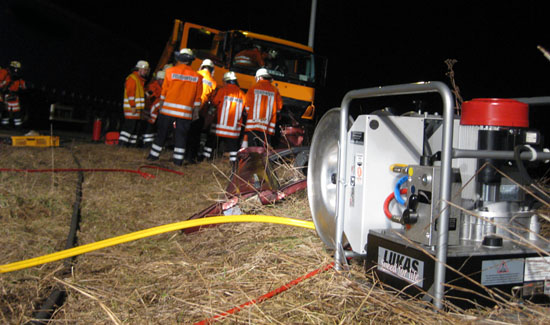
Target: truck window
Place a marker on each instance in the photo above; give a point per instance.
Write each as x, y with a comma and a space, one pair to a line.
283, 62
201, 41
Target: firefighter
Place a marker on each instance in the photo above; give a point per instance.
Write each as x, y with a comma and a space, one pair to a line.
229, 103
180, 102
275, 63
11, 86
251, 57
134, 103
4, 80
152, 94
197, 136
263, 102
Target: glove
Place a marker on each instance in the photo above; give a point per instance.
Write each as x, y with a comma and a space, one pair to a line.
195, 114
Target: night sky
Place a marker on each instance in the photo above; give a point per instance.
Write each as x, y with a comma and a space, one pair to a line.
92, 45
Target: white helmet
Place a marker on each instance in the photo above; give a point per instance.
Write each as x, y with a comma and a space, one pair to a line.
187, 51
15, 64
166, 66
207, 63
160, 74
272, 53
228, 76
141, 64
262, 72
185, 55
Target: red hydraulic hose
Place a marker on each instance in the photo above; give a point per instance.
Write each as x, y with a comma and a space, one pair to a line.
388, 200
161, 168
266, 296
59, 170
387, 205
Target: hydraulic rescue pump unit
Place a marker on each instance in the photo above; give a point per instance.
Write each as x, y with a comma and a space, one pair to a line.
435, 203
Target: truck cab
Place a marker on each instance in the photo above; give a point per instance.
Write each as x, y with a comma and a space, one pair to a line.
296, 71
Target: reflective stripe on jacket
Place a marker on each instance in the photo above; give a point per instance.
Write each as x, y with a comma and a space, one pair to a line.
153, 115
263, 102
229, 100
134, 95
153, 101
181, 92
249, 57
12, 88
208, 86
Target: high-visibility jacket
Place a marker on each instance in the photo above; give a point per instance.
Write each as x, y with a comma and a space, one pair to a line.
154, 89
10, 90
250, 58
181, 92
229, 100
208, 86
263, 102
134, 96
16, 85
4, 78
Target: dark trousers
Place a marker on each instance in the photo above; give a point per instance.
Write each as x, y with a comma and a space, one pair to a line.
165, 124
214, 142
149, 134
130, 132
193, 140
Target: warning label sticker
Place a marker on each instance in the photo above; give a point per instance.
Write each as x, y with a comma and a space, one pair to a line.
495, 272
359, 168
537, 268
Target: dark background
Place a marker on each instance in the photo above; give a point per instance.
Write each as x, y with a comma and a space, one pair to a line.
87, 48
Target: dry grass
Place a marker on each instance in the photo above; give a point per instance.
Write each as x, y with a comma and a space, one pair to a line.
176, 278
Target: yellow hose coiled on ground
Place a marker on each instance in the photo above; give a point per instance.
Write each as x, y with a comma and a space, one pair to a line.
148, 233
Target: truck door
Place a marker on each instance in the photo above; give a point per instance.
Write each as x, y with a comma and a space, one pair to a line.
200, 39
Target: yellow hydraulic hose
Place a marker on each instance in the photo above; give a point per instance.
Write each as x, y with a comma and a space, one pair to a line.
148, 233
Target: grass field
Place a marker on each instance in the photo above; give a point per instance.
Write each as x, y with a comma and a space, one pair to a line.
178, 278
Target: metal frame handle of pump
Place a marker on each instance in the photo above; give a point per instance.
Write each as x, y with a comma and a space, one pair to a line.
446, 159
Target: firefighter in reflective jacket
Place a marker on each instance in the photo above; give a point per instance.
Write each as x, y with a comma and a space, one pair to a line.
251, 57
206, 70
152, 93
11, 86
197, 135
180, 102
229, 102
134, 103
263, 102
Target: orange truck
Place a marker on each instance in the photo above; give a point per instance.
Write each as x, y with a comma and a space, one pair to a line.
296, 70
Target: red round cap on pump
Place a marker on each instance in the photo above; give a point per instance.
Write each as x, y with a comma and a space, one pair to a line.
495, 112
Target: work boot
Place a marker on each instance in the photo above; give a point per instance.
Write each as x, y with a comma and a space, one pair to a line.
200, 158
190, 160
152, 158
147, 145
